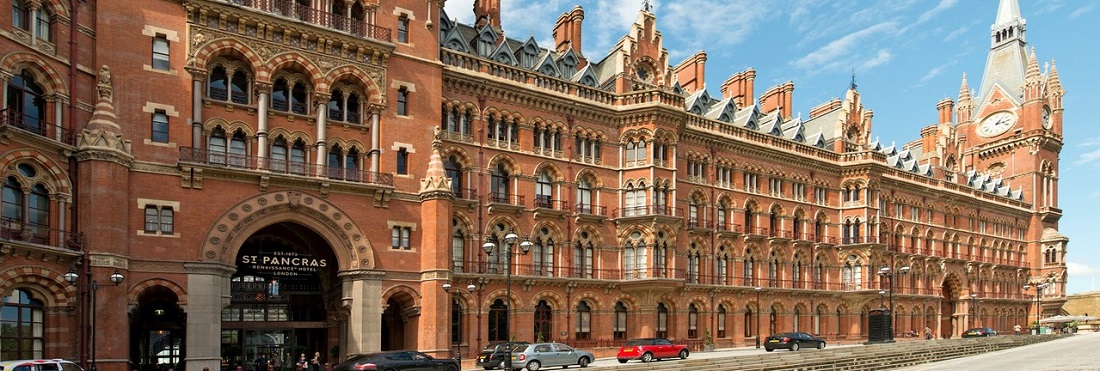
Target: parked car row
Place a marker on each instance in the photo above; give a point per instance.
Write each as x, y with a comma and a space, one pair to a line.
535, 356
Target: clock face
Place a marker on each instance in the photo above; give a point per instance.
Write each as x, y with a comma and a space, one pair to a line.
996, 124
1046, 118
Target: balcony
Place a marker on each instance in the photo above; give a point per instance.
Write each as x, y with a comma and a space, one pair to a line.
279, 166
590, 209
20, 234
288, 8
10, 118
648, 211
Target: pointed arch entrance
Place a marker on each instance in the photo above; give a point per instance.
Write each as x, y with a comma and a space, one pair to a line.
949, 317
282, 274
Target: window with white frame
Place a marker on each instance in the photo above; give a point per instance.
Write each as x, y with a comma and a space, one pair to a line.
403, 29
159, 219
400, 236
160, 52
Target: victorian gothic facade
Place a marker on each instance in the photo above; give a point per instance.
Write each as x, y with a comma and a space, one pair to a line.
275, 177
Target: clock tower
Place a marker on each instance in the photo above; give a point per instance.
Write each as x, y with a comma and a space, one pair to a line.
1011, 130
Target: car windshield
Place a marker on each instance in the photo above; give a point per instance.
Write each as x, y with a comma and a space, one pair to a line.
637, 342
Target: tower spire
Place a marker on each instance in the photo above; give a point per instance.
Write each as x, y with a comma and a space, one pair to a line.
1007, 11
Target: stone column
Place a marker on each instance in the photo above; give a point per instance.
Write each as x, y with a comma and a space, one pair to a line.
208, 292
196, 111
375, 151
322, 153
363, 299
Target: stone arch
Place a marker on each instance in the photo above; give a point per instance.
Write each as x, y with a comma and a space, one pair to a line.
38, 67
629, 301
284, 60
596, 181
554, 299
395, 291
595, 301
56, 7
701, 303
460, 154
56, 172
229, 126
374, 93
556, 175
290, 136
219, 47
50, 285
136, 290
492, 296
227, 234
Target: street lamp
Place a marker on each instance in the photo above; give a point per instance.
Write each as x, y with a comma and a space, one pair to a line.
886, 272
1038, 302
974, 309
72, 277
447, 288
525, 246
759, 310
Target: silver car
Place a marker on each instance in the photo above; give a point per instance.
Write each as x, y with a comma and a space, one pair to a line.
538, 355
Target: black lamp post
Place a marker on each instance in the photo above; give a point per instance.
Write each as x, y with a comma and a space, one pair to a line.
1038, 302
759, 310
72, 277
525, 246
974, 309
886, 272
447, 288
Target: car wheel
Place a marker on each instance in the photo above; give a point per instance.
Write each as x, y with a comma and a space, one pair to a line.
821, 345
534, 366
769, 349
489, 368
622, 361
794, 347
647, 357
683, 354
583, 362
451, 368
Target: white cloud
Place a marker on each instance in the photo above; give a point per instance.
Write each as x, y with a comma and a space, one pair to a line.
931, 74
942, 6
845, 52
1081, 11
879, 59
1094, 141
1081, 270
1088, 157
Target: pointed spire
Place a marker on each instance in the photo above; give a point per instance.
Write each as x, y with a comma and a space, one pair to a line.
102, 134
435, 183
1033, 74
1008, 11
647, 7
1054, 84
853, 86
964, 90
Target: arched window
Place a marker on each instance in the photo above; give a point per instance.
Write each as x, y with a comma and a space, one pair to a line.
499, 186
544, 191
216, 146
498, 321
237, 149
662, 321
584, 197
26, 103
218, 86
298, 157
796, 272
43, 22
797, 318
12, 200
458, 247
722, 266
584, 321
19, 13
620, 321
542, 253
693, 321
454, 171
582, 257
456, 322
693, 264
773, 270
634, 257
750, 269
721, 321
544, 322
750, 223
336, 105
24, 327
749, 323
299, 99
239, 88
280, 94
278, 159
817, 320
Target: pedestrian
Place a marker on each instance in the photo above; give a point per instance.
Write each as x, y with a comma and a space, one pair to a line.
302, 362
927, 333
315, 363
261, 363
1016, 328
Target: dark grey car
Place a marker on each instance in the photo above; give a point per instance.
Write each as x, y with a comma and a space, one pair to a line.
538, 355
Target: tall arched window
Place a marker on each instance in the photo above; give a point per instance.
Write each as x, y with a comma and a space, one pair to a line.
544, 190
12, 200
238, 86
498, 321
721, 321
26, 103
750, 268
456, 322
693, 264
278, 159
544, 322
458, 247
773, 270
797, 318
582, 257
620, 321
662, 321
749, 323
24, 327
43, 22
634, 257
454, 171
542, 253
750, 222
499, 184
693, 321
280, 94
722, 266
817, 320
584, 321
584, 196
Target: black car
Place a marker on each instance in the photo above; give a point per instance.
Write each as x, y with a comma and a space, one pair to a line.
397, 360
493, 355
979, 332
793, 341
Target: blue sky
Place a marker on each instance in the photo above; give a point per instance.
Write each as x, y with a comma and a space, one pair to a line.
907, 55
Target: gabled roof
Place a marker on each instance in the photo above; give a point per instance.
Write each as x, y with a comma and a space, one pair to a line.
504, 54
723, 110
586, 76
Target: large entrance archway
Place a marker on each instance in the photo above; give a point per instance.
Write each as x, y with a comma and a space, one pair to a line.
157, 329
282, 295
949, 317
400, 321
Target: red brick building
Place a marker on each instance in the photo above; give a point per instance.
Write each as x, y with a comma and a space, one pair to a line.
279, 177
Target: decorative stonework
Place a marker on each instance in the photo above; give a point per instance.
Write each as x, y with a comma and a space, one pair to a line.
242, 220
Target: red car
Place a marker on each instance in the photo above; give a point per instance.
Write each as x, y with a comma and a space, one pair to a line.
649, 349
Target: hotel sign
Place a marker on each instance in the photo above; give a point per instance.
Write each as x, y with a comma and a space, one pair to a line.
283, 263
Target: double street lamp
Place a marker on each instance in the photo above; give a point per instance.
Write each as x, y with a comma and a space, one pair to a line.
1038, 302
447, 288
886, 272
489, 247
72, 277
